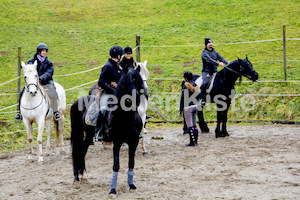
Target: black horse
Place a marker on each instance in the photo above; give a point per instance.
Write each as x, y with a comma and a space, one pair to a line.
124, 124
223, 91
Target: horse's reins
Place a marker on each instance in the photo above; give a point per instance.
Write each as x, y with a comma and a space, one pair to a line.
27, 89
238, 73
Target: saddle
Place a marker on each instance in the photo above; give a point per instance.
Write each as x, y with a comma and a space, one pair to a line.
210, 83
50, 93
94, 109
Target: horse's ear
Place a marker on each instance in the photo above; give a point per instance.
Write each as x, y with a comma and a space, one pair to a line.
239, 60
22, 64
138, 68
145, 63
35, 64
247, 57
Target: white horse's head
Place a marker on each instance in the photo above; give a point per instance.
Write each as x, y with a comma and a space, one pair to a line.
142, 69
31, 77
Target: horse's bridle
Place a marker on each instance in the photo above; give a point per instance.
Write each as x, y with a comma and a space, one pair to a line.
27, 89
238, 73
27, 86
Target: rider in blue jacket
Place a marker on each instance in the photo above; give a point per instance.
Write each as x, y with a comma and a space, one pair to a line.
45, 71
210, 58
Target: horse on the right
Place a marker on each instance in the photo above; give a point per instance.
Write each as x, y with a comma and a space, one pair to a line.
221, 91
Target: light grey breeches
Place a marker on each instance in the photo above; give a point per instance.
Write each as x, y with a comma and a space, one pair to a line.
190, 114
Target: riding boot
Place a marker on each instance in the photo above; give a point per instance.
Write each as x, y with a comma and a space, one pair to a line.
195, 132
192, 138
56, 114
18, 116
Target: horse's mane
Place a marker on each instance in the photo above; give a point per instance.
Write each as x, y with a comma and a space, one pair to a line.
144, 71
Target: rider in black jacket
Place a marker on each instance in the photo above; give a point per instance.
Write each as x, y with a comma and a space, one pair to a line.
45, 71
127, 61
108, 81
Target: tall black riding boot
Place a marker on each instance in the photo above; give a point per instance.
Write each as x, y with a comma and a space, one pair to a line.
18, 116
195, 132
192, 138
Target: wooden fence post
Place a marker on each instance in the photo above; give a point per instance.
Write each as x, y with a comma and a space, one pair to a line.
284, 53
19, 74
138, 48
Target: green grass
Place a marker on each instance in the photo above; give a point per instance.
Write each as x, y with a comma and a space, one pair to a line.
80, 33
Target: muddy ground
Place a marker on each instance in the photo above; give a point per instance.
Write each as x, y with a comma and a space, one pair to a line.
255, 162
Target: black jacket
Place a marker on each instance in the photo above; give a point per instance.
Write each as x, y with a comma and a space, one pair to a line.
127, 63
111, 72
210, 60
45, 69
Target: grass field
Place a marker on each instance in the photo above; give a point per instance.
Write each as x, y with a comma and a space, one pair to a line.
79, 35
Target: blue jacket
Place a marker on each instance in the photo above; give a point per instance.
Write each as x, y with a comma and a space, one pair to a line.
210, 60
45, 69
111, 72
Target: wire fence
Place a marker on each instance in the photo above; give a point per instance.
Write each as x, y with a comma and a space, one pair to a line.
169, 79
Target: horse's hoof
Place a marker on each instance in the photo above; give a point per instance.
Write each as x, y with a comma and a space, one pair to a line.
219, 135
226, 134
132, 187
113, 191
41, 160
145, 153
84, 180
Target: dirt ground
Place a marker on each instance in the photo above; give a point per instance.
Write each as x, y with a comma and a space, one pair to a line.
255, 162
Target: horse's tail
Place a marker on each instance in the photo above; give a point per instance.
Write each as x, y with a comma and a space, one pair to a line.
77, 137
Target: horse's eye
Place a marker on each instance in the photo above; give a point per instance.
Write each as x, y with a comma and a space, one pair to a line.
35, 76
25, 77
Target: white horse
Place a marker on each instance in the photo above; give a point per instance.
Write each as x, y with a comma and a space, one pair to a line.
34, 107
142, 109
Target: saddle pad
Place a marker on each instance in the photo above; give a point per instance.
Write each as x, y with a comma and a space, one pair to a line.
92, 114
210, 84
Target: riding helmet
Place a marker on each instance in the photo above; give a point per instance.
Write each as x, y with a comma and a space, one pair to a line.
41, 46
188, 75
115, 51
128, 50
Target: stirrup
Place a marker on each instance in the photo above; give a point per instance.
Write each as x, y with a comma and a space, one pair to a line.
98, 137
57, 116
18, 117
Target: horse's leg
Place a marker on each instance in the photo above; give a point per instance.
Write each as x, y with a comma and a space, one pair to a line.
116, 167
49, 132
29, 130
142, 112
131, 151
202, 123
219, 121
41, 125
59, 129
224, 128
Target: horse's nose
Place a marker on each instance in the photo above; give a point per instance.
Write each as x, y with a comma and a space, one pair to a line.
255, 76
33, 93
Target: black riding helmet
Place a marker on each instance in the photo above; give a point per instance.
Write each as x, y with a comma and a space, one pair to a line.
128, 50
41, 46
115, 51
188, 76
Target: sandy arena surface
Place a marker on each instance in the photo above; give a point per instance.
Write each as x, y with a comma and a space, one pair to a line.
255, 162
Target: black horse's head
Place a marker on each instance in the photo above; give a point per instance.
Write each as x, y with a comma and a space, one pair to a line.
247, 70
129, 89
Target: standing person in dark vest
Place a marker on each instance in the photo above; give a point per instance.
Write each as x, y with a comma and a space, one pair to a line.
189, 90
108, 81
45, 71
210, 58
